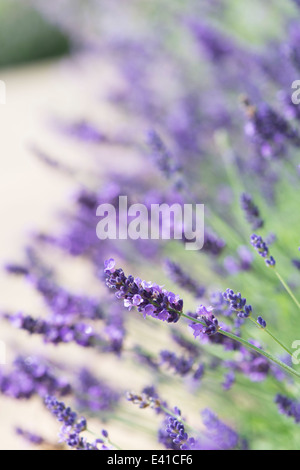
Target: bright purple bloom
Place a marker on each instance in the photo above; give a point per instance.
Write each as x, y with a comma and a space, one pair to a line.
179, 364
261, 322
57, 332
237, 303
262, 249
150, 299
210, 326
72, 426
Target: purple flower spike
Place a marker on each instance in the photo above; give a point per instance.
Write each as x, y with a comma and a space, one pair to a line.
261, 322
109, 265
150, 299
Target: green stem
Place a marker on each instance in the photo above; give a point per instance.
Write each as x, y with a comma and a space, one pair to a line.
249, 345
272, 336
107, 439
278, 341
287, 288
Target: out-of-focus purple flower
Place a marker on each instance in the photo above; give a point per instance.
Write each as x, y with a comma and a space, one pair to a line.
242, 262
57, 332
65, 304
84, 131
213, 244
183, 279
199, 372
288, 407
94, 395
161, 155
251, 211
253, 365
229, 380
296, 263
210, 326
29, 436
291, 48
219, 433
190, 347
216, 45
31, 376
16, 269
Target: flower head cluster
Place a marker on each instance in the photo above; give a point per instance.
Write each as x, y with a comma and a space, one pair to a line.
237, 303
73, 426
219, 433
210, 325
150, 299
175, 430
269, 130
180, 364
262, 249
213, 244
183, 279
94, 394
29, 436
161, 155
252, 365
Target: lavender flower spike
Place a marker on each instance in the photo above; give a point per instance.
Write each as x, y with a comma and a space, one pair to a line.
211, 323
150, 299
262, 249
73, 426
251, 211
261, 322
238, 303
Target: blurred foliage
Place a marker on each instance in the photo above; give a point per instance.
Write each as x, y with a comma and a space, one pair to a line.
25, 36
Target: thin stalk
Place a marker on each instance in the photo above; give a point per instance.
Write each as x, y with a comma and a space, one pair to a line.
278, 341
287, 288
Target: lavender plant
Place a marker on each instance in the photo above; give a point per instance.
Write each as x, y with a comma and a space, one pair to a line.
213, 330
